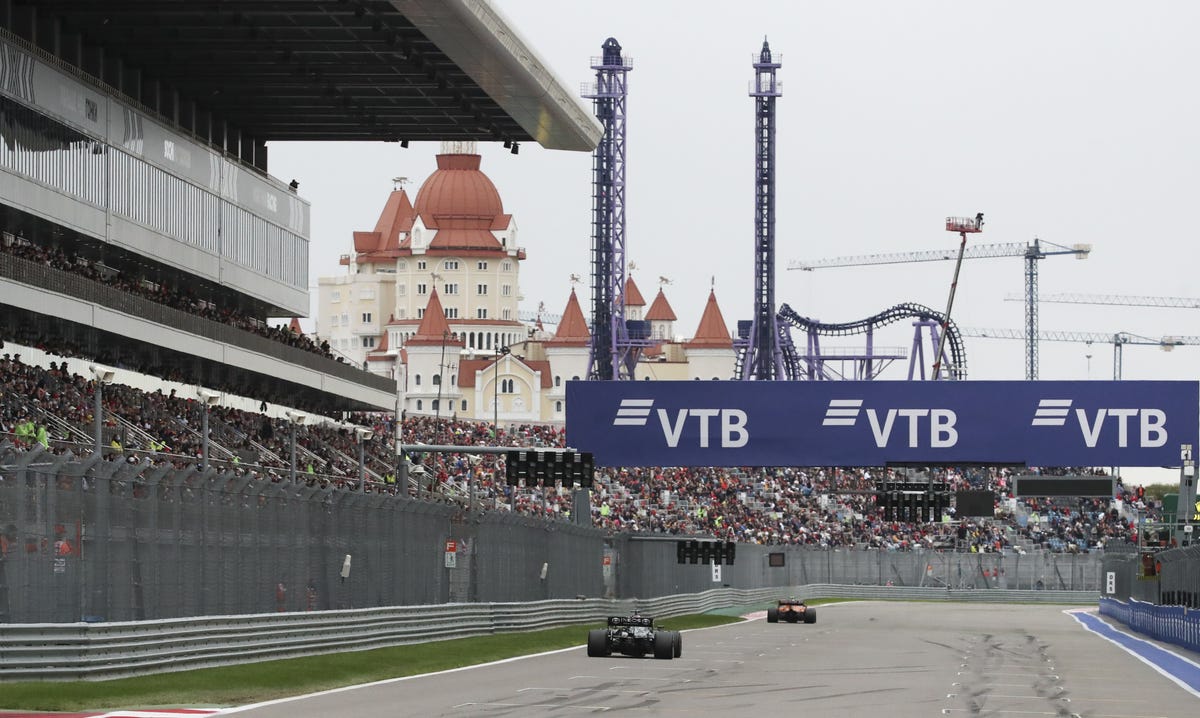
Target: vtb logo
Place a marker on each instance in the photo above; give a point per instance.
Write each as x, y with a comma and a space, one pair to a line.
1151, 423
731, 432
939, 422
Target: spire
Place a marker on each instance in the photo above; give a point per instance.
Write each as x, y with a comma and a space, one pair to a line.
712, 332
660, 310
379, 353
434, 329
633, 297
397, 217
573, 329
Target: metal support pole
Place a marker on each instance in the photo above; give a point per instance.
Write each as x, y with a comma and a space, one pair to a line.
402, 456
293, 452
204, 440
1137, 513
501, 352
937, 359
1185, 513
98, 411
437, 404
1032, 255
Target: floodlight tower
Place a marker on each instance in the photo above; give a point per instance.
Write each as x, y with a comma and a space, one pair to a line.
612, 356
764, 356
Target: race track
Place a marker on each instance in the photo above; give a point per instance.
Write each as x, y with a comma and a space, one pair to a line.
894, 660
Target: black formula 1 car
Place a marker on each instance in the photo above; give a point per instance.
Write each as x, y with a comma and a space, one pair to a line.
792, 610
634, 635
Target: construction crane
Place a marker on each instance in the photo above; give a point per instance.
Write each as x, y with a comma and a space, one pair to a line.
1117, 339
1114, 300
526, 315
964, 226
1032, 252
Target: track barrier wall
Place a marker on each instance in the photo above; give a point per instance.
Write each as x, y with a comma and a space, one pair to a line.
1179, 625
114, 568
110, 650
103, 541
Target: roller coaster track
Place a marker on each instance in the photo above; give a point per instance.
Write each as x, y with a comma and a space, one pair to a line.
788, 318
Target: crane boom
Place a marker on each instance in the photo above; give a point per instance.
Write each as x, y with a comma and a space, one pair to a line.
1117, 339
1083, 337
526, 315
1114, 299
978, 251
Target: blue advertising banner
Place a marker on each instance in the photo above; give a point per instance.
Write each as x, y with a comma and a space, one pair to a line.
874, 423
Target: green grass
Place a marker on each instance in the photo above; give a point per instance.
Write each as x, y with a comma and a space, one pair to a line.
254, 682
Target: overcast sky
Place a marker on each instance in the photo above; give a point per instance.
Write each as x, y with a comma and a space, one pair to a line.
1072, 121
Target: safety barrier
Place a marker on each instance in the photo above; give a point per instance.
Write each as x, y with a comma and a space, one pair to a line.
56, 651
1172, 624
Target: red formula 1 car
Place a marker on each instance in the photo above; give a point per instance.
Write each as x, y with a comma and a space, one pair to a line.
792, 610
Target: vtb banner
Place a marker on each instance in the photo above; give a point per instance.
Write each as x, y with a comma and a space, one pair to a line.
874, 423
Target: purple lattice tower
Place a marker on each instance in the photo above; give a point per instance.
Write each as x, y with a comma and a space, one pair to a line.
764, 356
612, 354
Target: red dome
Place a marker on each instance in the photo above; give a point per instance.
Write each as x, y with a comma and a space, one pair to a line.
458, 195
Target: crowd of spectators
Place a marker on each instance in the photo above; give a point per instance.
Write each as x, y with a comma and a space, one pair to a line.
819, 507
161, 426
159, 292
832, 507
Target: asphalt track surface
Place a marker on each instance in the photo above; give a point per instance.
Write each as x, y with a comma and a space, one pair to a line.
883, 659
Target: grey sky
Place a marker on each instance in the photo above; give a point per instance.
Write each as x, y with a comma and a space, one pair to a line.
1072, 121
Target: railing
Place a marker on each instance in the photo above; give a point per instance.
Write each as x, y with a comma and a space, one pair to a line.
1173, 624
216, 451
79, 287
105, 650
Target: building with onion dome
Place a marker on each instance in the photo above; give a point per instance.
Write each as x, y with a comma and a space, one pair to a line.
430, 296
456, 238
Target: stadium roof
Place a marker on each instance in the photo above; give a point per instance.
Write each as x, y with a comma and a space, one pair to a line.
419, 70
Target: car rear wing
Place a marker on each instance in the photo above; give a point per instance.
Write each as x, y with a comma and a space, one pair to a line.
630, 621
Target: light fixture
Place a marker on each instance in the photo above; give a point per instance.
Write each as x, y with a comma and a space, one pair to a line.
209, 398
364, 434
104, 376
